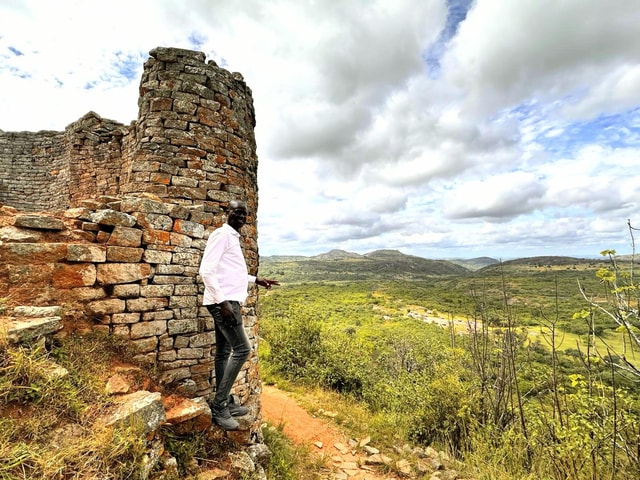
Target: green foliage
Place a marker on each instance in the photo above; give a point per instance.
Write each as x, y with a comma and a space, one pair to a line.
504, 396
287, 461
47, 415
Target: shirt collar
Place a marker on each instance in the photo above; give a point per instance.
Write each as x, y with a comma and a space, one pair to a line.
233, 231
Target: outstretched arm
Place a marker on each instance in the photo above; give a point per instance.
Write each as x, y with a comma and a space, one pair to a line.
266, 283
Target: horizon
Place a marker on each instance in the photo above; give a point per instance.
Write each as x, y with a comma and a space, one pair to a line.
497, 259
443, 128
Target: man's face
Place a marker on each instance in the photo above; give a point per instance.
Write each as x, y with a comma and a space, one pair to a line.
237, 215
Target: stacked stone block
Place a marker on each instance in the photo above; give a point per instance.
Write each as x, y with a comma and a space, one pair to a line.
128, 212
34, 172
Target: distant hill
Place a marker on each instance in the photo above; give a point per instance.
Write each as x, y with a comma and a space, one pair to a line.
336, 255
343, 265
337, 265
544, 261
474, 263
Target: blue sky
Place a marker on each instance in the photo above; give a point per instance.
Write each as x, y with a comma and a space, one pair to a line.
441, 128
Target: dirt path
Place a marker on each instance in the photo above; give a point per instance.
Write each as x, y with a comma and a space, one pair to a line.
344, 461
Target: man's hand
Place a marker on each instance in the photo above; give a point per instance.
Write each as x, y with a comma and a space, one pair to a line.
226, 310
266, 283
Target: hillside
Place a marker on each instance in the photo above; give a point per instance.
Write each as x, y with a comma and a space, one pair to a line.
395, 265
342, 265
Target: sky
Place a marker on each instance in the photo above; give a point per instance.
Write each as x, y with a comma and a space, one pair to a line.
439, 128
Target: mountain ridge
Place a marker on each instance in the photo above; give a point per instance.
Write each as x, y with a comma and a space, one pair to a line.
337, 264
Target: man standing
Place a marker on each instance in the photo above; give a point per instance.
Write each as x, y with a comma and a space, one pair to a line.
224, 273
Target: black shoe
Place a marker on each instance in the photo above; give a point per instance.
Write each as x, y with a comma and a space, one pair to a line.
236, 409
221, 415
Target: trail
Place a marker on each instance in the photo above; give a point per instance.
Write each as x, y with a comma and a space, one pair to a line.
321, 437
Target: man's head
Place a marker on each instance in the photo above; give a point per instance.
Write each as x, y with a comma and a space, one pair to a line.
237, 214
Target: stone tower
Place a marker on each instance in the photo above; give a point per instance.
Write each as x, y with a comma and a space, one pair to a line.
136, 204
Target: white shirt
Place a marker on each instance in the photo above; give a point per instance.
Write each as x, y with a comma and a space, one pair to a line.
223, 268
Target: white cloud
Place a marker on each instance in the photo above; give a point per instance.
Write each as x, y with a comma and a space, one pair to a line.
525, 140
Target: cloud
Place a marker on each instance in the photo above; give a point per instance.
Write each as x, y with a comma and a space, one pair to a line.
438, 127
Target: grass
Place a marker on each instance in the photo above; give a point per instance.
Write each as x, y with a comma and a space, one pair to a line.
48, 421
289, 461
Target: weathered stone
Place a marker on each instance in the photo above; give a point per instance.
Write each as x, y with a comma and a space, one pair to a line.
82, 294
181, 240
86, 253
125, 318
168, 377
81, 213
117, 384
146, 304
190, 415
32, 253
157, 256
161, 315
13, 234
113, 218
163, 269
178, 327
128, 290
125, 237
144, 205
156, 290
155, 237
185, 290
33, 312
184, 258
185, 353
186, 227
183, 301
124, 254
154, 221
202, 339
172, 279
39, 222
148, 329
137, 408
144, 345
30, 328
77, 275
108, 306
112, 273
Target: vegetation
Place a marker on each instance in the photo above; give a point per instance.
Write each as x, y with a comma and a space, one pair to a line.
500, 386
47, 419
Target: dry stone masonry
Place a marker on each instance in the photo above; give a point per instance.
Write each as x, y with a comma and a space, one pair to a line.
109, 221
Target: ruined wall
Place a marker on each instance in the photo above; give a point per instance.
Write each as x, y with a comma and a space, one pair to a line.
34, 172
134, 209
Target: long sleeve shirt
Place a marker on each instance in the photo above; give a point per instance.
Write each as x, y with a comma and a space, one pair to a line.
223, 268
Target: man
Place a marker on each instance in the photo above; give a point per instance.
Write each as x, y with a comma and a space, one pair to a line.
224, 273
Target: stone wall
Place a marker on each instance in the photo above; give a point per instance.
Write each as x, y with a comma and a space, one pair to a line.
34, 173
124, 214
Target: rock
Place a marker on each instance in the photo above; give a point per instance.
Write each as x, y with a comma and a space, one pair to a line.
371, 450
30, 311
117, 384
39, 222
242, 461
212, 474
139, 407
190, 415
113, 218
13, 234
444, 475
259, 453
31, 328
404, 467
